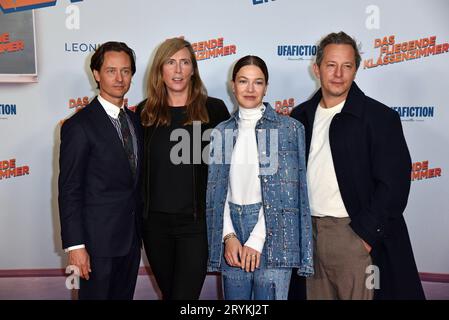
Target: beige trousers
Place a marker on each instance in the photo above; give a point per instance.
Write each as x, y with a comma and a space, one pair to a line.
340, 261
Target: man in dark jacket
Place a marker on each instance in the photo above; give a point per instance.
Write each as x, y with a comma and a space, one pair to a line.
358, 176
100, 203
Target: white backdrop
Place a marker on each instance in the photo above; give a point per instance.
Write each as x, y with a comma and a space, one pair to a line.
29, 225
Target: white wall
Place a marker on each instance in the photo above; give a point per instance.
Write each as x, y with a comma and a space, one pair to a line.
29, 225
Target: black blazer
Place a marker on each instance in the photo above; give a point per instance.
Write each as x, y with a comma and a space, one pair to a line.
373, 168
100, 202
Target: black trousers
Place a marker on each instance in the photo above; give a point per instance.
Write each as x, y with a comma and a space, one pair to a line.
112, 278
297, 289
176, 247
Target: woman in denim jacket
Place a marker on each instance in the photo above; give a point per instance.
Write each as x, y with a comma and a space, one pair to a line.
257, 210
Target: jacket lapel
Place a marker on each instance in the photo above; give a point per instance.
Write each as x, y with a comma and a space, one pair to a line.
135, 119
107, 131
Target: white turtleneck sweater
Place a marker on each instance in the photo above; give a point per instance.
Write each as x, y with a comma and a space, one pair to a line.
244, 182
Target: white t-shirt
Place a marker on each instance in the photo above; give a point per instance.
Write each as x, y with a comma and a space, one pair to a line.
324, 193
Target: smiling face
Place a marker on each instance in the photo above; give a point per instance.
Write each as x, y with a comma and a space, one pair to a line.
336, 73
114, 76
249, 86
177, 72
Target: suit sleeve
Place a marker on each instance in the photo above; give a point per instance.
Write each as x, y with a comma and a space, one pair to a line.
391, 169
72, 164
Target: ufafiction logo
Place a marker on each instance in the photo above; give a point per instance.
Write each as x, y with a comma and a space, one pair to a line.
415, 113
421, 170
9, 169
297, 52
261, 1
8, 6
8, 45
391, 52
213, 48
7, 110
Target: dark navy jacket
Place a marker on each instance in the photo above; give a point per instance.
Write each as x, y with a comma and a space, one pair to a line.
373, 169
100, 203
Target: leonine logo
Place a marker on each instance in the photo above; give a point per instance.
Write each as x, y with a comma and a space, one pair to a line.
213, 48
421, 170
9, 6
415, 113
80, 47
7, 45
391, 52
9, 169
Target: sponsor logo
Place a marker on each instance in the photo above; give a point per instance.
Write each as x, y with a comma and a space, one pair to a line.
80, 47
421, 170
9, 169
213, 48
415, 113
8, 45
8, 6
80, 102
255, 2
391, 52
284, 106
297, 52
7, 110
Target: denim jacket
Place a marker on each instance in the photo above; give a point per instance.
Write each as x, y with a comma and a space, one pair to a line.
281, 148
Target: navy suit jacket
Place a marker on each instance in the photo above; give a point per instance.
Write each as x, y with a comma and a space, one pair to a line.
100, 202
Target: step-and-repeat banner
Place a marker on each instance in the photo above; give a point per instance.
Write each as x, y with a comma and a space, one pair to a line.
405, 64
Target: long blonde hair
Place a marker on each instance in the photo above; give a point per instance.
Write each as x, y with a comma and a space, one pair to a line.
156, 110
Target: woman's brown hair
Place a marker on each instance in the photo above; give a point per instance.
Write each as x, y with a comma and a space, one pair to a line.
156, 110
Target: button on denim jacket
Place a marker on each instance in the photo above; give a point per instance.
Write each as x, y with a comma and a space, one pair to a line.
281, 148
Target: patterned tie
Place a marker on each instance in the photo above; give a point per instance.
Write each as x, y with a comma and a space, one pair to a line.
127, 140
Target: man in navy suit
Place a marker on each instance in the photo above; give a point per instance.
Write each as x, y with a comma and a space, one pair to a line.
99, 182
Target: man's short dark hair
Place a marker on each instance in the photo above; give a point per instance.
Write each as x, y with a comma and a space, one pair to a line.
338, 38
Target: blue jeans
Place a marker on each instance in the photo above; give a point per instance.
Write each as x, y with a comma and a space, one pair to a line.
263, 283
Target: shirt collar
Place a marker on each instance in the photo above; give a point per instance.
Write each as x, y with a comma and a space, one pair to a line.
111, 109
